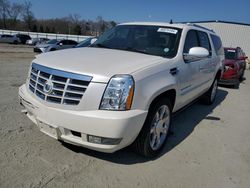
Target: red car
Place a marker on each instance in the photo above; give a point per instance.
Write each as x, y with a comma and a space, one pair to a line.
234, 66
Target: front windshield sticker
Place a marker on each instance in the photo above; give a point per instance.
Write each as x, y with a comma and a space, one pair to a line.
231, 50
166, 50
167, 30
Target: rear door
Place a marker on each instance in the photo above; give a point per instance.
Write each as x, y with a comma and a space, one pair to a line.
206, 66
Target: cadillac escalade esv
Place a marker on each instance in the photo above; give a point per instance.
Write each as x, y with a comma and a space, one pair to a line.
123, 89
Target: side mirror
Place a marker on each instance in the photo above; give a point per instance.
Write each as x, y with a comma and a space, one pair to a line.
93, 40
195, 54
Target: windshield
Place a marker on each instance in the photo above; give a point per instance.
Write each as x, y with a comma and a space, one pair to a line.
53, 41
152, 40
230, 54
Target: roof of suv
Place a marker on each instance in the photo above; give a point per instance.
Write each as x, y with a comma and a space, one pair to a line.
176, 25
156, 24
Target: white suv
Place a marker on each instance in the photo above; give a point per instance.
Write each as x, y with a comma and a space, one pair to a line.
123, 89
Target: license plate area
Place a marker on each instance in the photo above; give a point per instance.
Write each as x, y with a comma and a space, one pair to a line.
48, 129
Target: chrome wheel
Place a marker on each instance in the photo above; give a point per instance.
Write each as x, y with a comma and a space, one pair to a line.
214, 90
159, 127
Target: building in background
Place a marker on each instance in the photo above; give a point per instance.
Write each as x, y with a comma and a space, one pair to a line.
233, 34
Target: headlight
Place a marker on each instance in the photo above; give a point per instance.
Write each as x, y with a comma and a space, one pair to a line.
119, 93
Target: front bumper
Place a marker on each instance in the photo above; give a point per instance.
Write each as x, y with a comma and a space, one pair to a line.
61, 124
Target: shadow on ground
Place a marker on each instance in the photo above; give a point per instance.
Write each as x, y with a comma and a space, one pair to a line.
182, 126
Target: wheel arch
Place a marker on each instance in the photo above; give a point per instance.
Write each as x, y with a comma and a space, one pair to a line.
170, 94
218, 74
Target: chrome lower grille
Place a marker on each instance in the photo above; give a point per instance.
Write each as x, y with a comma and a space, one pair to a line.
57, 86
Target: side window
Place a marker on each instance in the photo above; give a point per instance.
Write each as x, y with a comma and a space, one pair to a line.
217, 45
191, 41
64, 42
71, 42
204, 41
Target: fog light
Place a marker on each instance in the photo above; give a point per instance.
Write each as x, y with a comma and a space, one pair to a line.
102, 140
95, 139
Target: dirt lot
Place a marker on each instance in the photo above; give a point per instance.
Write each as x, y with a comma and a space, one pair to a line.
209, 146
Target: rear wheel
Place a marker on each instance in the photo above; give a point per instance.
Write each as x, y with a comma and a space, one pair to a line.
242, 76
209, 96
155, 130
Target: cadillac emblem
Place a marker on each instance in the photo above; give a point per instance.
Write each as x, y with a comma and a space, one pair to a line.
48, 87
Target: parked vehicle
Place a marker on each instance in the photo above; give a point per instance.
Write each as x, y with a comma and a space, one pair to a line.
86, 42
123, 89
53, 45
35, 41
234, 66
9, 39
23, 38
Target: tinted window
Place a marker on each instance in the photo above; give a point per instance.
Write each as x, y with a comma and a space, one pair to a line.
64, 42
71, 42
230, 54
217, 45
191, 41
53, 41
7, 36
204, 41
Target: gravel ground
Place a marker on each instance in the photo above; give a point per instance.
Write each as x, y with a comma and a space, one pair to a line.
209, 146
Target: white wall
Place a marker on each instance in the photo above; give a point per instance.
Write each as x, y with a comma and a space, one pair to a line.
232, 35
77, 38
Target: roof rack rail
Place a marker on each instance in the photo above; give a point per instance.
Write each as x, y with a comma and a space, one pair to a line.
196, 25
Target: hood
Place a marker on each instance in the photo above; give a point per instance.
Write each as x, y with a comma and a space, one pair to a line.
99, 63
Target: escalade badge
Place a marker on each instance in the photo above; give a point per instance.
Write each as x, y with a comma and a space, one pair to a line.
48, 86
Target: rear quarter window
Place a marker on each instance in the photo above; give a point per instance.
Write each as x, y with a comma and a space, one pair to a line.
204, 41
217, 45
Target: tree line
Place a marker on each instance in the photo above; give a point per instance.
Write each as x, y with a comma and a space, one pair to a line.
19, 16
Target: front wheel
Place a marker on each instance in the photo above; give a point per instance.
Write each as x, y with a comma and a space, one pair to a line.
155, 130
209, 96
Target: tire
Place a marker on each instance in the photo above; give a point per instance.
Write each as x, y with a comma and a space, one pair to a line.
15, 42
242, 76
209, 97
155, 130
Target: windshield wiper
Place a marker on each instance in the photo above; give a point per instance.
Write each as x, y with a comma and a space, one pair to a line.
135, 50
99, 45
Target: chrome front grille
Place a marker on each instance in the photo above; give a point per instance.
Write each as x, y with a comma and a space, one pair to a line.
57, 86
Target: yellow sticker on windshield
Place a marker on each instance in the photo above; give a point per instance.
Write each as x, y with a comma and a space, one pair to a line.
167, 30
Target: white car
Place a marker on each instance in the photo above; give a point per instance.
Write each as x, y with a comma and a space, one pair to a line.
35, 41
12, 39
54, 44
123, 89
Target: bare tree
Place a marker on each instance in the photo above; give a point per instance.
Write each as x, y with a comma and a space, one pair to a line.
28, 15
19, 16
14, 12
4, 9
